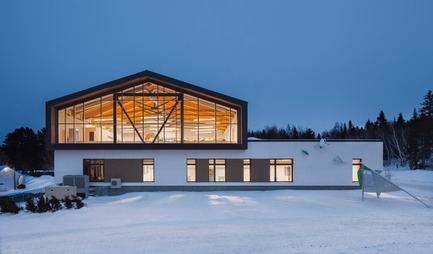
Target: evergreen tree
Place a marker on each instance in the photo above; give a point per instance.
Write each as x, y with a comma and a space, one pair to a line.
41, 205
55, 204
425, 138
30, 205
381, 122
400, 120
295, 133
351, 130
427, 105
68, 202
369, 129
308, 134
412, 141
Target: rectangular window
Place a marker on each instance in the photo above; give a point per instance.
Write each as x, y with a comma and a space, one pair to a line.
211, 170
247, 169
281, 170
148, 170
356, 165
217, 170
94, 169
190, 170
220, 170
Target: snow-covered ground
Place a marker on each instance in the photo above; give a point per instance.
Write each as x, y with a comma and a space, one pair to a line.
33, 185
287, 221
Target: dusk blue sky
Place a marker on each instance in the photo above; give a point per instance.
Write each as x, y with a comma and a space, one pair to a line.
303, 63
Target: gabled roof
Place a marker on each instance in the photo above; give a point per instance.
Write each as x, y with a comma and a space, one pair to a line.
122, 84
137, 78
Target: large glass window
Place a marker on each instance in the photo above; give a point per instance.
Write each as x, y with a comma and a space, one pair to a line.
356, 165
147, 113
217, 170
281, 170
94, 169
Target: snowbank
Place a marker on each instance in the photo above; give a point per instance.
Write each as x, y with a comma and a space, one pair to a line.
33, 185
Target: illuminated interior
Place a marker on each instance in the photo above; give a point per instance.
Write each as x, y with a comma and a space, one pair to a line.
356, 165
148, 113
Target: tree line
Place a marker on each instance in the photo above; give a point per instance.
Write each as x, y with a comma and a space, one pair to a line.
24, 149
405, 142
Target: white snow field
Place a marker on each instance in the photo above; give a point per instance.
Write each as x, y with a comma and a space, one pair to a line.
286, 221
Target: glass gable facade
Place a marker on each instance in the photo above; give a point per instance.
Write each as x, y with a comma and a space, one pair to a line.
148, 113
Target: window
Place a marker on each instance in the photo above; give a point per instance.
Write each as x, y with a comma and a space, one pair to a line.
356, 165
190, 170
239, 170
94, 169
247, 169
148, 170
148, 113
217, 170
281, 170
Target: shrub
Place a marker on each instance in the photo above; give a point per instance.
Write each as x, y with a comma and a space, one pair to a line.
78, 202
55, 204
30, 205
7, 205
42, 205
68, 202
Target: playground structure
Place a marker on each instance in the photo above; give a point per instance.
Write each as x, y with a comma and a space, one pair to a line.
372, 181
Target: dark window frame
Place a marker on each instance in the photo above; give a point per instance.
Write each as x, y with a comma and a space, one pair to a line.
214, 164
191, 162
153, 169
89, 167
274, 163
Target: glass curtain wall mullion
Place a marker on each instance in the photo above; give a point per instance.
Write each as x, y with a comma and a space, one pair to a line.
134, 121
142, 113
115, 118
164, 118
206, 121
230, 126
61, 126
182, 119
107, 119
100, 124
124, 116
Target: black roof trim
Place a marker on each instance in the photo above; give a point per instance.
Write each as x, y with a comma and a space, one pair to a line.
136, 79
165, 146
140, 77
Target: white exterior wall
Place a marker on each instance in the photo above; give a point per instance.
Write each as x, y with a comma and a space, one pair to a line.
316, 169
